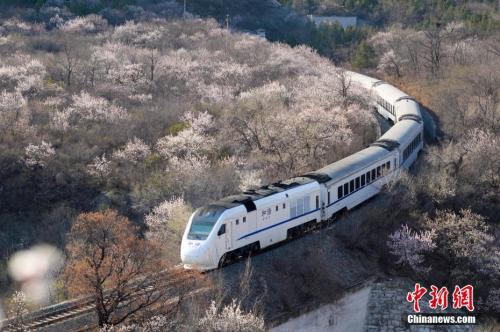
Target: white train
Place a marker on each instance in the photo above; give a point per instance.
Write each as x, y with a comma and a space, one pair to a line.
240, 224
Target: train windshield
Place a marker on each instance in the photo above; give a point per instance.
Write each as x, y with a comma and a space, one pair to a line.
204, 220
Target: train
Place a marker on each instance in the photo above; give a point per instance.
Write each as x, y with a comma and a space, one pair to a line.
242, 224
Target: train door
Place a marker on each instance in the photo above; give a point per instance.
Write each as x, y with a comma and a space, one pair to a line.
229, 234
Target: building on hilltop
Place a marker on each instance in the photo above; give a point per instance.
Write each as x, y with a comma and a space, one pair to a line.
344, 21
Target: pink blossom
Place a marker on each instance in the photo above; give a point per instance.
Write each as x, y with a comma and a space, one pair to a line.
409, 246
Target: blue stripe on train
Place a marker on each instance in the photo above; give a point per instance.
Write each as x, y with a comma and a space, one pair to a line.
280, 223
288, 220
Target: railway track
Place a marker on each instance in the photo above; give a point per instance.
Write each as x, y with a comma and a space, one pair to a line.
72, 309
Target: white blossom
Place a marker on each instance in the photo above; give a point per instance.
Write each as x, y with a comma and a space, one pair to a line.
100, 167
56, 21
88, 107
190, 165
192, 141
11, 101
37, 155
165, 211
465, 233
141, 34
17, 310
154, 324
53, 101
134, 151
168, 219
141, 98
27, 77
230, 318
86, 24
250, 180
60, 120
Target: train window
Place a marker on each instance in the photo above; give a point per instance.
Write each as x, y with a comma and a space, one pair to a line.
383, 168
244, 219
293, 209
328, 198
346, 189
306, 204
284, 205
367, 177
362, 180
351, 186
378, 172
237, 221
339, 192
388, 165
317, 202
277, 207
373, 175
222, 230
357, 183
300, 207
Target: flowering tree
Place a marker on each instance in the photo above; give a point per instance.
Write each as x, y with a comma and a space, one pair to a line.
138, 34
193, 141
11, 104
250, 180
100, 167
26, 77
472, 159
399, 51
230, 318
168, 220
134, 151
293, 140
153, 324
60, 120
92, 108
409, 246
465, 234
85, 24
37, 155
166, 224
17, 309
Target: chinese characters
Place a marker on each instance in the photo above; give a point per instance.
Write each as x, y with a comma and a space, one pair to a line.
461, 297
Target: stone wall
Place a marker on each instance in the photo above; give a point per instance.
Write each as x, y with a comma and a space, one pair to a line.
388, 309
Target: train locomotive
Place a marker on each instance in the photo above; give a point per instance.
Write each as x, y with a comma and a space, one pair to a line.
241, 224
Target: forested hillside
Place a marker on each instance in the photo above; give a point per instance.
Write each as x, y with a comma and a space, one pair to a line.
180, 112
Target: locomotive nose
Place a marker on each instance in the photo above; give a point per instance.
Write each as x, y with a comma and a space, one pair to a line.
194, 255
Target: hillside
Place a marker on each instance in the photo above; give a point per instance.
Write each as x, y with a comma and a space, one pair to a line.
128, 117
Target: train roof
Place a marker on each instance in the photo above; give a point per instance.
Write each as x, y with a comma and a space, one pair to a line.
348, 165
389, 92
248, 197
408, 108
401, 131
363, 80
